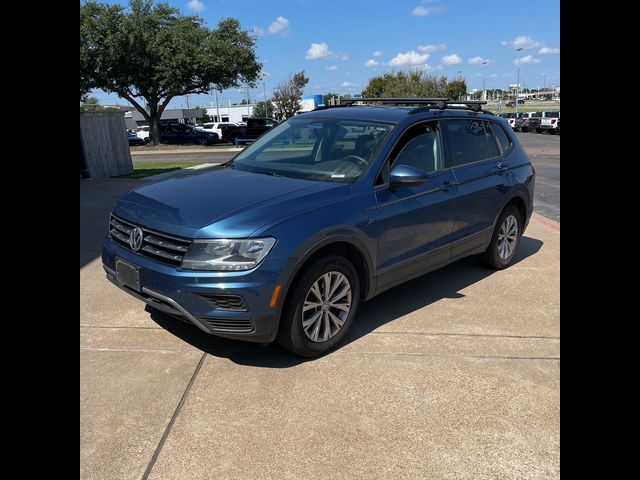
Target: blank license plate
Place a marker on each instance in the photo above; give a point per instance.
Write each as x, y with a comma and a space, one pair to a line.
128, 275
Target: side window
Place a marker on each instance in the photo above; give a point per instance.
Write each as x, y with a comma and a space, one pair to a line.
420, 148
501, 136
468, 141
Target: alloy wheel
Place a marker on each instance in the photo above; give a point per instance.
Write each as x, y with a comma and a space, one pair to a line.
507, 237
326, 306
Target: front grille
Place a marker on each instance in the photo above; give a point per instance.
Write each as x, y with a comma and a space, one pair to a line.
231, 325
225, 302
165, 248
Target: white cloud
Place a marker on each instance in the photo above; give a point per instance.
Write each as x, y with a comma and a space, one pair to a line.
318, 50
280, 25
477, 61
493, 75
548, 51
529, 59
522, 42
195, 5
331, 68
347, 84
378, 53
258, 31
423, 11
431, 48
321, 50
408, 58
452, 59
370, 63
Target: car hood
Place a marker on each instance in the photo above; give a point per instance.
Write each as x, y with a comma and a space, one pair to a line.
223, 202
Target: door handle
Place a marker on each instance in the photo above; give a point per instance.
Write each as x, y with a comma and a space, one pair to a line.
446, 186
502, 167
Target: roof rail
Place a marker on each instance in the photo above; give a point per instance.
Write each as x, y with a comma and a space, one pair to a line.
440, 103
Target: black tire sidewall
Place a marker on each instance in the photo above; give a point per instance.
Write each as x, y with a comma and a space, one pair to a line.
291, 334
491, 255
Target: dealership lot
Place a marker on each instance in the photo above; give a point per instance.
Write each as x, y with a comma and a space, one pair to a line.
452, 375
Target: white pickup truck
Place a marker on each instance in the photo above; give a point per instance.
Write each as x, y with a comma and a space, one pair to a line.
550, 122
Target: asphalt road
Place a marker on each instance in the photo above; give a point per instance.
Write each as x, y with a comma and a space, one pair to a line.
543, 149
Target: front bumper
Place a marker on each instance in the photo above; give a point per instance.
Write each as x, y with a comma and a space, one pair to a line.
186, 294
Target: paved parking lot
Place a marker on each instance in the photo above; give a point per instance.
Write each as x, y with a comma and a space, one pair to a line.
454, 375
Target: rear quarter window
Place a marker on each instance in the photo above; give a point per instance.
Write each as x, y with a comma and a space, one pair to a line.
501, 136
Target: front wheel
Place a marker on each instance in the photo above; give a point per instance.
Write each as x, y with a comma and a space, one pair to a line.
320, 307
505, 239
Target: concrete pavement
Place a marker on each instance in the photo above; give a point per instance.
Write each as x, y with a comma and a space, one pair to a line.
452, 375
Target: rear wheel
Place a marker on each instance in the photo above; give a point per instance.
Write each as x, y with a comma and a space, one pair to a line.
320, 307
505, 240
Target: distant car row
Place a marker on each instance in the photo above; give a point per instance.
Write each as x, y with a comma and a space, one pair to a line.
538, 122
207, 134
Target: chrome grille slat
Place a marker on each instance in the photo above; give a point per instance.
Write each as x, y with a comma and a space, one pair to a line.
163, 243
156, 245
160, 253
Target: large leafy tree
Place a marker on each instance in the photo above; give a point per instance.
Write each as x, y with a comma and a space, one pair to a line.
150, 53
286, 98
413, 84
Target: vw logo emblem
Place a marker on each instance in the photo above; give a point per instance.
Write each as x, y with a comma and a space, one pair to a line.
135, 239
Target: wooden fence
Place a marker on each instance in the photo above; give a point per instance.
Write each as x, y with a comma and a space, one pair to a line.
104, 147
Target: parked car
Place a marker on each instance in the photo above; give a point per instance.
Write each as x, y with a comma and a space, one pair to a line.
550, 122
181, 133
527, 124
134, 139
255, 127
143, 133
512, 103
327, 210
216, 127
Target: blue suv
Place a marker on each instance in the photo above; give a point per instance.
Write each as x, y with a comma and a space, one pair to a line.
321, 213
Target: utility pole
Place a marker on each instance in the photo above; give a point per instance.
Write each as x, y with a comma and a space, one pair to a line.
247, 90
266, 108
188, 106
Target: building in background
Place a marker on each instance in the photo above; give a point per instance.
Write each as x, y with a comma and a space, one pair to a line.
231, 113
170, 115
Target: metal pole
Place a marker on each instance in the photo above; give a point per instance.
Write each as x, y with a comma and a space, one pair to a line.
248, 112
219, 118
266, 109
518, 82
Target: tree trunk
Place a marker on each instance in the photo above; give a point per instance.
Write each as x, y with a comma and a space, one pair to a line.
154, 124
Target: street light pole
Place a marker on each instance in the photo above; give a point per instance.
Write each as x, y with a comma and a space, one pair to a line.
518, 82
484, 95
266, 108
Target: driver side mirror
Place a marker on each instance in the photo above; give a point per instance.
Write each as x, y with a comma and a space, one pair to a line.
406, 176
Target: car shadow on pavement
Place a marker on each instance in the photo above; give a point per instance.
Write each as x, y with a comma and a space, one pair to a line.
446, 282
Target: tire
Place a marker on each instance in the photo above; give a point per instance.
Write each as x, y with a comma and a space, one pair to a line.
315, 338
203, 141
495, 256
147, 140
538, 130
552, 132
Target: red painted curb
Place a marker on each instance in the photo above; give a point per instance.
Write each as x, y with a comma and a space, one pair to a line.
546, 222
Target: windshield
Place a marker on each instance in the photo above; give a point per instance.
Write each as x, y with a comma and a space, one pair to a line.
332, 150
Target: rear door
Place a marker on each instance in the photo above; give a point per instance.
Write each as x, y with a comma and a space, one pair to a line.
481, 177
414, 224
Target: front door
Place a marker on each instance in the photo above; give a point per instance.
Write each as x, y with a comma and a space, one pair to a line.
414, 224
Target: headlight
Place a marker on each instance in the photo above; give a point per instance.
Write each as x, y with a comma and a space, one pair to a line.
227, 255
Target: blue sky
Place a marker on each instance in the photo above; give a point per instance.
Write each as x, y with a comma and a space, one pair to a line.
341, 44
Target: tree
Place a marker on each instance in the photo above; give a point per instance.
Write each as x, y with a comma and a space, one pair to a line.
287, 96
326, 99
405, 84
456, 89
262, 110
151, 53
204, 116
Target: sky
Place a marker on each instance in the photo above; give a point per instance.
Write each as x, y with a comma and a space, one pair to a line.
342, 44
